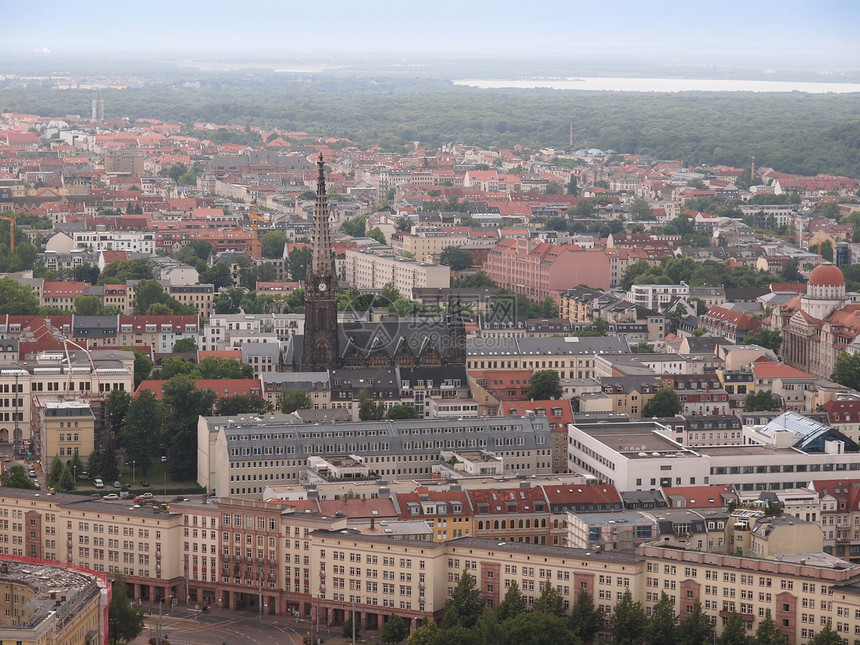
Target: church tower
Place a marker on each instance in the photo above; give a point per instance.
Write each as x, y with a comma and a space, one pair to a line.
320, 345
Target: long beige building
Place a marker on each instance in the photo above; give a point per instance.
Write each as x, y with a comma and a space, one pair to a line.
367, 270
237, 553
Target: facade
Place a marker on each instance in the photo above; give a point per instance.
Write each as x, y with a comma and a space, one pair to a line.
656, 296
818, 325
371, 271
540, 270
52, 602
240, 456
65, 428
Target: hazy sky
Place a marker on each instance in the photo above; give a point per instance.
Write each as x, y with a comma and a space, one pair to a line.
814, 34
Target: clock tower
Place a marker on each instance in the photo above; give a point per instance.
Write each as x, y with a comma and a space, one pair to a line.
320, 345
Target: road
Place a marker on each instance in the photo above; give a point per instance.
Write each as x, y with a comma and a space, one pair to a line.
225, 627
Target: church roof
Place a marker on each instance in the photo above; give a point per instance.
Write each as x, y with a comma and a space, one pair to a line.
826, 274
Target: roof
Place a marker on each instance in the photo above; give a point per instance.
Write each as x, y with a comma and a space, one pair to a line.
699, 496
826, 274
770, 370
222, 387
508, 500
598, 494
359, 508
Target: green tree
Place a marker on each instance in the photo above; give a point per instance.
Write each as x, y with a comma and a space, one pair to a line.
644, 347
426, 634
403, 224
87, 305
141, 429
368, 409
640, 210
734, 631
377, 234
355, 227
457, 258
273, 243
768, 338
346, 629
548, 308
184, 345
538, 628
228, 406
827, 636
585, 619
762, 400
628, 621
182, 403
457, 635
142, 367
513, 604
16, 298
488, 629
664, 404
291, 400
847, 370
66, 482
401, 411
394, 631
465, 605
791, 271
158, 309
297, 261
76, 466
767, 632
16, 477
218, 276
119, 271
695, 628
663, 626
550, 600
125, 622
825, 249
544, 385
52, 480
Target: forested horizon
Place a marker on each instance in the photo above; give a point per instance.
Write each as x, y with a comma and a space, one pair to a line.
793, 132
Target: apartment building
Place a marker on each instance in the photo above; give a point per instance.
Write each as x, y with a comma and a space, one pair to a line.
366, 270
642, 456
240, 456
197, 296
104, 240
540, 270
158, 332
571, 357
62, 428
221, 327
315, 565
61, 294
656, 296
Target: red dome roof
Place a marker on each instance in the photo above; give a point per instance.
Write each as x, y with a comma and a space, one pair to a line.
826, 274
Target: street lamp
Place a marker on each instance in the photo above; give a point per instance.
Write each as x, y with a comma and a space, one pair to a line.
132, 472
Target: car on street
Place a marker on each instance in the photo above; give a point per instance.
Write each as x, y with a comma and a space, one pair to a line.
111, 496
117, 485
146, 496
98, 483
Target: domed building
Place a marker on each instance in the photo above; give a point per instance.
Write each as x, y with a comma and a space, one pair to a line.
817, 325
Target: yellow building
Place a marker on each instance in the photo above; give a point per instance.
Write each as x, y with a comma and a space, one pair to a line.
42, 603
63, 428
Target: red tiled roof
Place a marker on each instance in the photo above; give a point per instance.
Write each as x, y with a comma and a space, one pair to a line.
222, 387
508, 500
770, 370
699, 496
582, 494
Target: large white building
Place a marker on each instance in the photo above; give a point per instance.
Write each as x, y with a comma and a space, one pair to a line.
131, 241
367, 270
656, 296
642, 456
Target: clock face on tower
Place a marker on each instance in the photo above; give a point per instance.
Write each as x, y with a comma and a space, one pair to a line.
322, 286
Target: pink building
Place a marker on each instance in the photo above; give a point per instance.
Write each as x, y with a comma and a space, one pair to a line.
537, 269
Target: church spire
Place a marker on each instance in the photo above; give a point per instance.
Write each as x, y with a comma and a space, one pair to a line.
321, 263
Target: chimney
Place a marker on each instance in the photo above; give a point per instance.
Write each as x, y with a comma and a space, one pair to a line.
372, 522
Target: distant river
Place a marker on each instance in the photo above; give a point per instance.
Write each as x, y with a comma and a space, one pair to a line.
662, 85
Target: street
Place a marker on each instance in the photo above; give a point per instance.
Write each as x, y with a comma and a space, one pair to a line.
223, 626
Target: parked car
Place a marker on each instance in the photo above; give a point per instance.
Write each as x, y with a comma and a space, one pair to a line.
163, 458
124, 494
146, 496
83, 475
180, 499
117, 485
111, 496
98, 483
144, 483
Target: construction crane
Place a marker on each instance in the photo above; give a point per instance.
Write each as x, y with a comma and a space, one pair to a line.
11, 221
